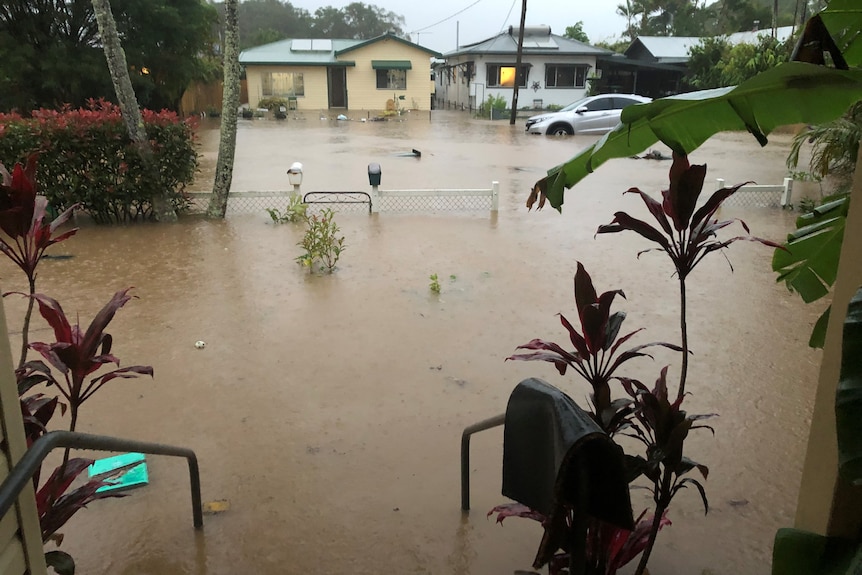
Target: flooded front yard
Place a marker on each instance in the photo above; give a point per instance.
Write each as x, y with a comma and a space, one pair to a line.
328, 409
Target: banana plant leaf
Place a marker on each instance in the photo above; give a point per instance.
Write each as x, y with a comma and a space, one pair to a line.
843, 19
809, 263
848, 399
793, 92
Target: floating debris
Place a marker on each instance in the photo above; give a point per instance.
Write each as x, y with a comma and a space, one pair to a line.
217, 506
120, 471
414, 153
652, 155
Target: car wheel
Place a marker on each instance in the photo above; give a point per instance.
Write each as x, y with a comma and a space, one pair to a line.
560, 130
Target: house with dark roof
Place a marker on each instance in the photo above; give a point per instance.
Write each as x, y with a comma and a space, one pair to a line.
655, 66
376, 74
554, 70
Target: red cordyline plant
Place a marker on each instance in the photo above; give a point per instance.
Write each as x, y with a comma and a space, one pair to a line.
686, 235
609, 548
663, 428
595, 356
76, 355
26, 231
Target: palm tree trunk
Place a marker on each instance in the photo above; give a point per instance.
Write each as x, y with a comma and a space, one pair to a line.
230, 103
119, 70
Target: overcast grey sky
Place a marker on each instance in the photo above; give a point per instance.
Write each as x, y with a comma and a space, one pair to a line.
486, 18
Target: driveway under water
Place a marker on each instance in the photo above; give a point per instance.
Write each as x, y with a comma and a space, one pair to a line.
328, 409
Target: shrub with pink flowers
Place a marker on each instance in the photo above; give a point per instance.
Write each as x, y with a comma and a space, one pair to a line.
87, 158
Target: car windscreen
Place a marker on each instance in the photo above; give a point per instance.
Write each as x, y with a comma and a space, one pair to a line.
574, 105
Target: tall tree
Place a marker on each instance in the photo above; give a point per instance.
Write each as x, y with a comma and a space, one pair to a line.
264, 21
368, 21
230, 104
576, 32
51, 54
356, 20
119, 71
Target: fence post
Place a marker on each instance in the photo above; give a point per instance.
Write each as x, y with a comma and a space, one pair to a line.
719, 183
786, 196
495, 196
375, 200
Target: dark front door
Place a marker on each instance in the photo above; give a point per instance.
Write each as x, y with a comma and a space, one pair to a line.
337, 87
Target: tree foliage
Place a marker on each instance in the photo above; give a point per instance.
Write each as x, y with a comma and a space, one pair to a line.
265, 21
52, 54
715, 63
576, 32
696, 18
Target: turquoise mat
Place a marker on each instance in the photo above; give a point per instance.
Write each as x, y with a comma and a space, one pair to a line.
133, 477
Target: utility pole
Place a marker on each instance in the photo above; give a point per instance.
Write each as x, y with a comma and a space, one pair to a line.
518, 64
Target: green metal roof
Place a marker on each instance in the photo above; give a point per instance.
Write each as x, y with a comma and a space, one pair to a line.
390, 36
392, 64
316, 52
285, 53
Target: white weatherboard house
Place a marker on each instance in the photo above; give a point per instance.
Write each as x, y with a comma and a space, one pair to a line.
554, 70
374, 74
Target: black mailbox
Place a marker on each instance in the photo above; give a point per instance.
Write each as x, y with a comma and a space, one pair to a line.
374, 174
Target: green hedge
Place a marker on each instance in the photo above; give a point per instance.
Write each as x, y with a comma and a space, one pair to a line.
87, 157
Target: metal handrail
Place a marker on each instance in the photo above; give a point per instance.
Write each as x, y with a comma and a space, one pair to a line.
21, 474
495, 421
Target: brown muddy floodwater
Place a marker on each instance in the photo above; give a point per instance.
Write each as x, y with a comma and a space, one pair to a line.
328, 409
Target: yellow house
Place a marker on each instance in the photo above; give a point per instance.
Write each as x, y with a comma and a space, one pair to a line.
383, 73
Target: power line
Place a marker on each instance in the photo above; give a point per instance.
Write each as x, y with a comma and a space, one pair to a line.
447, 18
512, 7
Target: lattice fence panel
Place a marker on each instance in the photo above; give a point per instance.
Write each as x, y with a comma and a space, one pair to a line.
755, 199
242, 203
434, 203
344, 202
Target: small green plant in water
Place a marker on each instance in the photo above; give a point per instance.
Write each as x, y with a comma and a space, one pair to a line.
435, 283
294, 212
321, 242
452, 277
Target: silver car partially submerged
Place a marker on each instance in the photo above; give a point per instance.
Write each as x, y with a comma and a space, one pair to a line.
590, 115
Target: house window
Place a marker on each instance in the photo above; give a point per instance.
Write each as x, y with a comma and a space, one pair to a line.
503, 76
283, 84
391, 79
565, 76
